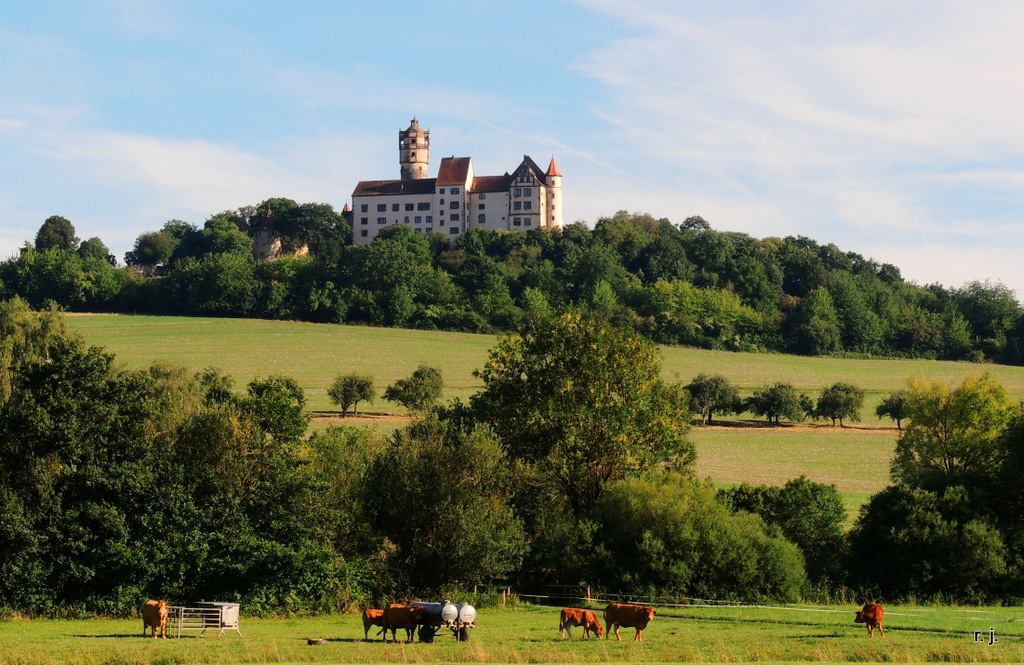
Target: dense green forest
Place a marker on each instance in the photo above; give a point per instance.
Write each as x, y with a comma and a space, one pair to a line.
683, 284
571, 464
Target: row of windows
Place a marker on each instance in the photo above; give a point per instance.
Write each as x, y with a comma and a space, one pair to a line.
452, 231
454, 205
522, 205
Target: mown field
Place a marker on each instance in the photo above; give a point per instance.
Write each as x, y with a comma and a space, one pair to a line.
529, 634
855, 458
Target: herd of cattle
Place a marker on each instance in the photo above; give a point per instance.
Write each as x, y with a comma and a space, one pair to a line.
396, 617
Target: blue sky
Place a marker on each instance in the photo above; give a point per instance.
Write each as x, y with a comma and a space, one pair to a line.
892, 129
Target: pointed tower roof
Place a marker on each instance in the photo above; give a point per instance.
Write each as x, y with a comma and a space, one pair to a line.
346, 209
553, 168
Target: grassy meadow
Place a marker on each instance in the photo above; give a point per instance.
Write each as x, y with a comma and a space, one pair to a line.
529, 634
854, 458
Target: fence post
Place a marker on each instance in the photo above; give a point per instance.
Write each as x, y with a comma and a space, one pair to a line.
588, 595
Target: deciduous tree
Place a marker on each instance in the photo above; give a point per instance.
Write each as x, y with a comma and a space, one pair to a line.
710, 394
840, 401
418, 392
583, 401
895, 407
351, 389
952, 431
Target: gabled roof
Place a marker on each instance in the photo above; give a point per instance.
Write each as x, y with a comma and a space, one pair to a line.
454, 171
553, 168
491, 183
532, 167
383, 187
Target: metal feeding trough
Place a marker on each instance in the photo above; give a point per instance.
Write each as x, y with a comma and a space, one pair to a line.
458, 617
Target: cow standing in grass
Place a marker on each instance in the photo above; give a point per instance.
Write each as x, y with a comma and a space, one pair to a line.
401, 616
619, 615
872, 616
372, 618
154, 615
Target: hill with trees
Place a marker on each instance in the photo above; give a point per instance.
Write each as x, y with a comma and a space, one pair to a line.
686, 283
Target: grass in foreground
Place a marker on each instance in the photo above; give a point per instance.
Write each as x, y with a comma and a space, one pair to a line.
530, 634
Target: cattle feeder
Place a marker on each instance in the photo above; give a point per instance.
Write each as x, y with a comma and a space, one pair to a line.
458, 617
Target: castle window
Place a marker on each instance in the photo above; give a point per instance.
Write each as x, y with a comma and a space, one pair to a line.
454, 205
455, 216
407, 219
419, 219
382, 207
423, 205
441, 191
430, 219
409, 206
382, 220
455, 190
518, 192
482, 207
363, 220
365, 208
394, 207
442, 201
527, 192
483, 196
441, 223
364, 233
526, 222
517, 221
527, 205
481, 219
454, 230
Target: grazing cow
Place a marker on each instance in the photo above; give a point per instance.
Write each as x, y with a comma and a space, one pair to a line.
585, 618
372, 618
628, 616
872, 616
154, 615
401, 616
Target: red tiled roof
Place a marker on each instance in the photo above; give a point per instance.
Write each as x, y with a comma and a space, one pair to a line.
453, 171
383, 187
553, 168
491, 183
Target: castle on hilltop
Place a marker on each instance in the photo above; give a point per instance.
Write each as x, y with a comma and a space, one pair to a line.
457, 200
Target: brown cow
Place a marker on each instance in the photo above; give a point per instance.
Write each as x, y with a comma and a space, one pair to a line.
628, 616
154, 615
372, 618
872, 616
401, 616
584, 618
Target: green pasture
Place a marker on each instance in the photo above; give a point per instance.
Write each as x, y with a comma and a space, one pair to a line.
313, 354
529, 634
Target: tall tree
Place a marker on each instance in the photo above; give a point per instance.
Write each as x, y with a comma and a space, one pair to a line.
953, 432
56, 233
584, 402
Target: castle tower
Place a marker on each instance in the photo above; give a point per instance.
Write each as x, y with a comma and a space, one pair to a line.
414, 152
553, 181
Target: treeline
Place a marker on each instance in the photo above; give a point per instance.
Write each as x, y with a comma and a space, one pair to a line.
674, 284
571, 464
